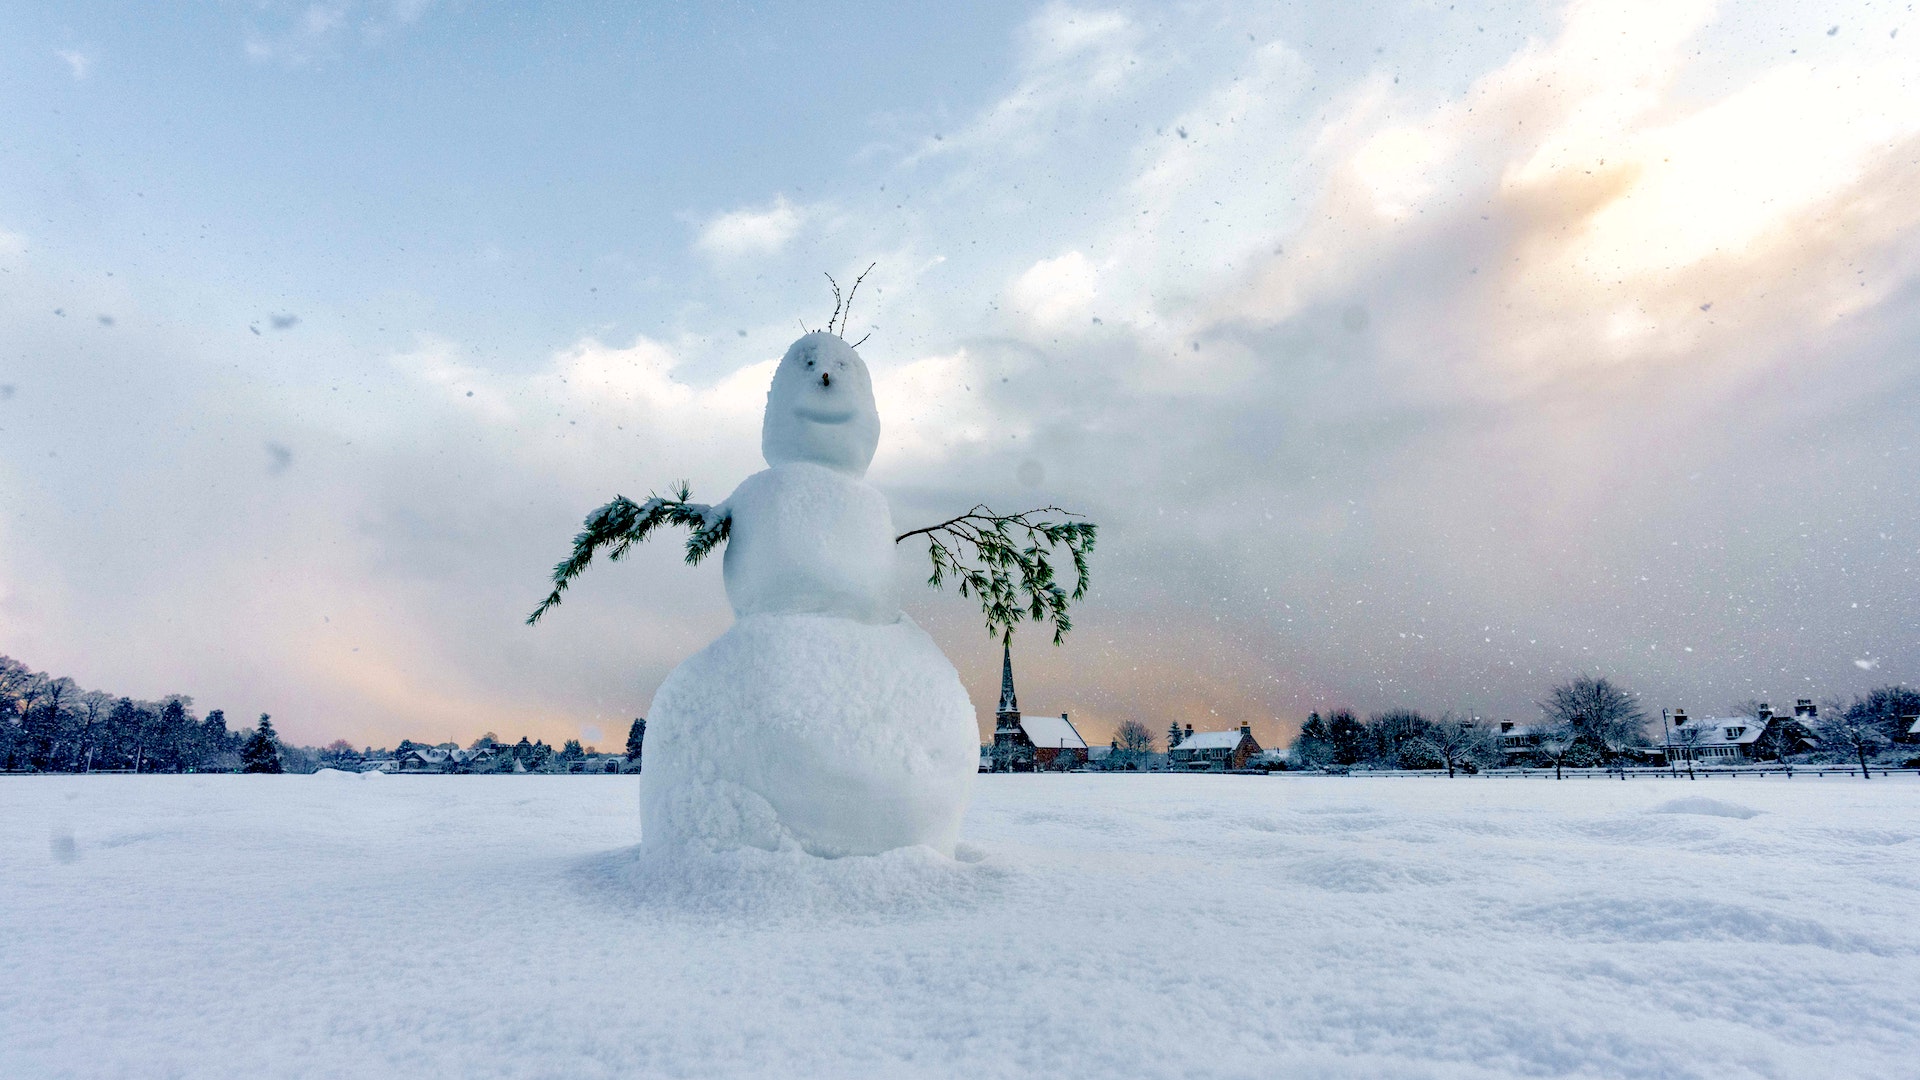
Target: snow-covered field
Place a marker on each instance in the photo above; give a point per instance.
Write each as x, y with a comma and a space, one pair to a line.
229, 926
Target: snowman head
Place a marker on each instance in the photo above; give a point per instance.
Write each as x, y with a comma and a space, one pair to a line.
820, 407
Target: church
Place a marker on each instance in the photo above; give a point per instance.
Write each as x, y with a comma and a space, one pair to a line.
1030, 743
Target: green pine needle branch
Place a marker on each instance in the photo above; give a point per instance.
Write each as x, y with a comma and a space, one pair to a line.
623, 523
1005, 562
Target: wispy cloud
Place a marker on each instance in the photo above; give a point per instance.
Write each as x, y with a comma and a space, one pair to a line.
78, 63
750, 231
295, 35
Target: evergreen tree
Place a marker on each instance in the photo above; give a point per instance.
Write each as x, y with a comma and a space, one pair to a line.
1315, 743
172, 751
261, 753
541, 759
214, 737
1348, 737
572, 751
1173, 735
636, 737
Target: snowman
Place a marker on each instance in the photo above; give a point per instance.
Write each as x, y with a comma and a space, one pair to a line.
824, 719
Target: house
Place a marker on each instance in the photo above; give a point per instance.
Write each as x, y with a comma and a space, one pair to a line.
1727, 740
1214, 751
1517, 740
1023, 743
425, 759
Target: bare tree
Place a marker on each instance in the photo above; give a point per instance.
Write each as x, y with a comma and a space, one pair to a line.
1595, 711
1685, 738
46, 729
1135, 736
1459, 740
95, 707
1556, 742
1858, 730
1133, 741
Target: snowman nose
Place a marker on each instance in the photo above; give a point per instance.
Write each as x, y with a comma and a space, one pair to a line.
826, 378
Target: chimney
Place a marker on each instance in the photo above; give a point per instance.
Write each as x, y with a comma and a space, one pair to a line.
1506, 726
1765, 712
1189, 731
1246, 728
1679, 717
1804, 708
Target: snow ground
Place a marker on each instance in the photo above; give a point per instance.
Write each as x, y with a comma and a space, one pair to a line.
1151, 926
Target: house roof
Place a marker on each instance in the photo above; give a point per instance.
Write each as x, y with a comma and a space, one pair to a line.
1211, 740
1714, 730
1052, 732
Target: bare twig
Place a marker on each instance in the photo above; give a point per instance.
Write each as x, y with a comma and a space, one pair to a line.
850, 294
836, 302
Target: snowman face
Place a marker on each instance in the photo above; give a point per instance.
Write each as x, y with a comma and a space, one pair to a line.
820, 407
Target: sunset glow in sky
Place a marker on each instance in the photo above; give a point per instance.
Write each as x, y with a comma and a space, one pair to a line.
1411, 354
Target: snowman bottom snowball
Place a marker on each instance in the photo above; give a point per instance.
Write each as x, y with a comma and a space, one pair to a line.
814, 732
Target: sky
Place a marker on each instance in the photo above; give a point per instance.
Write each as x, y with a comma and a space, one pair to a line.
1406, 354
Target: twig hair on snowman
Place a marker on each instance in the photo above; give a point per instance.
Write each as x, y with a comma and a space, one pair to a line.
820, 411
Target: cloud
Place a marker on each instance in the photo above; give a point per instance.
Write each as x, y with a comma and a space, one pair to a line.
79, 63
1053, 292
745, 233
300, 34
1069, 58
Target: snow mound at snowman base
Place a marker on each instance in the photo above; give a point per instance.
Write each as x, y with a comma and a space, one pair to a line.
810, 733
905, 883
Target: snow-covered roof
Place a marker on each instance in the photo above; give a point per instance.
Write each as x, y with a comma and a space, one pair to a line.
1211, 740
1723, 730
1052, 731
1915, 728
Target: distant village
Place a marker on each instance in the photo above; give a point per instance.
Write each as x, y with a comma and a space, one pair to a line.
1589, 723
49, 724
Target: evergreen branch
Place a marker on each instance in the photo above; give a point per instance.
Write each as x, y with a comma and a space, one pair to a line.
623, 523
1003, 561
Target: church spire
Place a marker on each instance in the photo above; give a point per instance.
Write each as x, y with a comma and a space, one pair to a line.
1009, 704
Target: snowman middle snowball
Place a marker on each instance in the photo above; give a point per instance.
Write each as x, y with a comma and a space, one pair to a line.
824, 718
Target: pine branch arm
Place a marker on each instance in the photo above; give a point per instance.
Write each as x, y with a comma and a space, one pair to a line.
622, 523
1004, 562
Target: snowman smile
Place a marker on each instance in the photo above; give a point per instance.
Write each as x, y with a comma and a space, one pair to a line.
821, 416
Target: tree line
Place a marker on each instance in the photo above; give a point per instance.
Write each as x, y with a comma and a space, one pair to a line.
1590, 722
487, 754
51, 724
